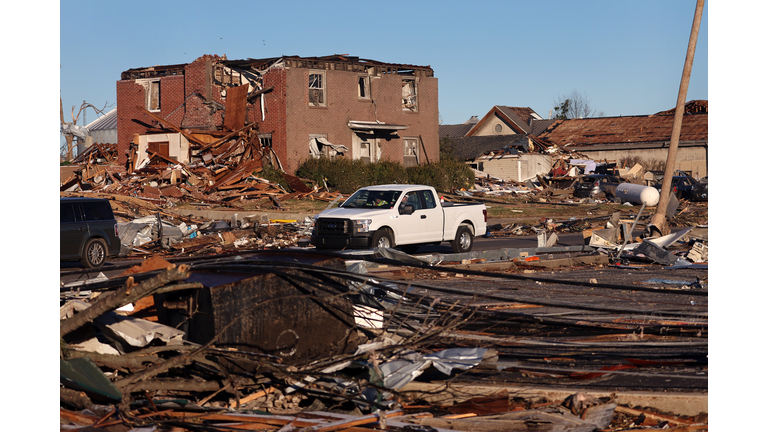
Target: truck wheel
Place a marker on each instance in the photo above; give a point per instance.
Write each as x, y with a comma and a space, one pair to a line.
94, 253
383, 239
463, 241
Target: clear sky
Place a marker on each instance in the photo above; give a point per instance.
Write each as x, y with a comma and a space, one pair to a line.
626, 57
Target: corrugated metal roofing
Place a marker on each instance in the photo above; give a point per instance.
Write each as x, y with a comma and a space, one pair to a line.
107, 121
615, 130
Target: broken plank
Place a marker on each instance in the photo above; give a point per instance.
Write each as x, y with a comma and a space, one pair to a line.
77, 418
253, 396
226, 137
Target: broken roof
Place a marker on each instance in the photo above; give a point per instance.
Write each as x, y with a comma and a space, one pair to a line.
691, 107
475, 146
336, 62
624, 130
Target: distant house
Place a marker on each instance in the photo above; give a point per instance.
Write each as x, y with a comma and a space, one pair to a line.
505, 120
304, 107
515, 157
637, 137
502, 144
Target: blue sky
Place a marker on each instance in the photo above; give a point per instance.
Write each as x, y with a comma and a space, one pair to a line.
626, 57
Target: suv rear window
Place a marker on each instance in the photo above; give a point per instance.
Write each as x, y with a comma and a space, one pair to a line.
97, 211
67, 212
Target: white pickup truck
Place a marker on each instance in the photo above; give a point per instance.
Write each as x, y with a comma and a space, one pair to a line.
407, 216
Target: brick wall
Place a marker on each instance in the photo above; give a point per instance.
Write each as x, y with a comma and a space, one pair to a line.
288, 116
274, 112
343, 105
131, 96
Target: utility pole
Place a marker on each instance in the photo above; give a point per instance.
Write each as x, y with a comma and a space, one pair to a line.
659, 218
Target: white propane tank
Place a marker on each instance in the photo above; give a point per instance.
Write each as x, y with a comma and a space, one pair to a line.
637, 194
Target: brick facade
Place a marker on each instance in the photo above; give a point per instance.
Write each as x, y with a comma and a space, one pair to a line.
192, 101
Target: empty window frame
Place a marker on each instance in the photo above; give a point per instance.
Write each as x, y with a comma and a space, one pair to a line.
363, 87
410, 152
410, 94
153, 96
225, 76
265, 140
317, 88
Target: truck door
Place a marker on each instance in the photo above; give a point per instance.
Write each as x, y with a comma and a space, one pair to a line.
425, 224
409, 226
431, 216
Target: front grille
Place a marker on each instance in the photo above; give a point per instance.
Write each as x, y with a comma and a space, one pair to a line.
333, 226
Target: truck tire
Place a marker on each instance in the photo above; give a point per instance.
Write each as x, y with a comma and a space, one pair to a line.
94, 253
383, 238
463, 241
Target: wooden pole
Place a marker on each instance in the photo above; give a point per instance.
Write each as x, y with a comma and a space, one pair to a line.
659, 218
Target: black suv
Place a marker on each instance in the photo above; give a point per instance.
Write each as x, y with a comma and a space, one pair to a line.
88, 231
686, 187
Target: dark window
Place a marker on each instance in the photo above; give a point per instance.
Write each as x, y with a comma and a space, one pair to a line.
413, 199
67, 212
362, 87
265, 140
97, 211
428, 198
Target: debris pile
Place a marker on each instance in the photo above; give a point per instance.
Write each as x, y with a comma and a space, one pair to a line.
221, 169
311, 342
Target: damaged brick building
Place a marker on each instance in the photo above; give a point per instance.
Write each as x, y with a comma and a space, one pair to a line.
303, 107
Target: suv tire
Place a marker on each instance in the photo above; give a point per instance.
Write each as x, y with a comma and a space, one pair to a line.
94, 253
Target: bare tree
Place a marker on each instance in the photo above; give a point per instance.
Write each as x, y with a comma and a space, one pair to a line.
70, 130
574, 105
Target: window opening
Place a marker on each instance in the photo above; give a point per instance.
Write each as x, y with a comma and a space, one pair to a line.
316, 89
153, 96
410, 152
265, 140
410, 95
363, 91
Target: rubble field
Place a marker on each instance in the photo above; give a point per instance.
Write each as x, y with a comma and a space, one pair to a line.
217, 316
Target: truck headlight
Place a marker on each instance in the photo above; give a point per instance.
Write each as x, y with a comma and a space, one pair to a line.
361, 225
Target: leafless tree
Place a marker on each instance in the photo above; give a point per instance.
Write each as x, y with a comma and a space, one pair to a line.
574, 105
69, 129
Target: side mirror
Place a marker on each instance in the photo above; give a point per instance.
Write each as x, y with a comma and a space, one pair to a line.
405, 209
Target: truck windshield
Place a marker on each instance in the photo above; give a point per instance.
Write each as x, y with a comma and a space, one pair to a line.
365, 198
